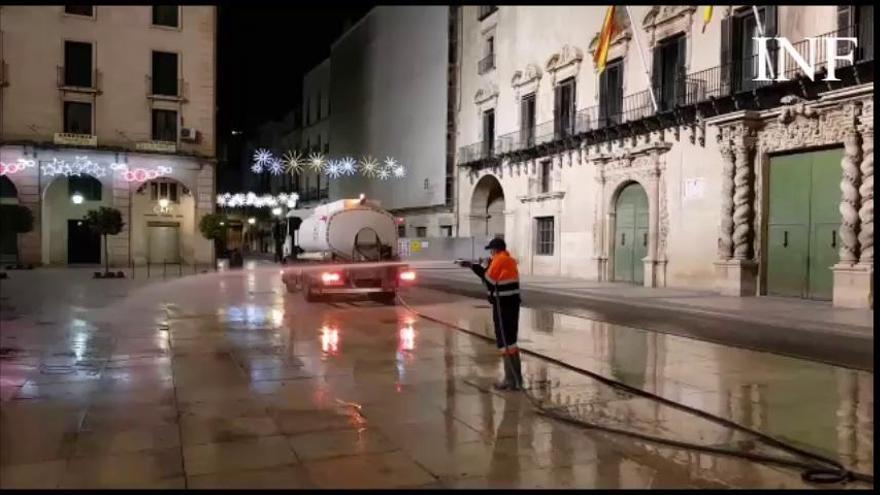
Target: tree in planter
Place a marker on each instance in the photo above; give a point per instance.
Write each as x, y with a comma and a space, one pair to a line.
213, 227
16, 219
105, 221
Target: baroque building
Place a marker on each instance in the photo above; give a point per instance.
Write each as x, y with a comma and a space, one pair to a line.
676, 166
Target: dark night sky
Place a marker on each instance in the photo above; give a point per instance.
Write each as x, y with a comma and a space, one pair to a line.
262, 54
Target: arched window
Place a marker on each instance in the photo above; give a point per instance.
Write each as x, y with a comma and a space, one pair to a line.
86, 185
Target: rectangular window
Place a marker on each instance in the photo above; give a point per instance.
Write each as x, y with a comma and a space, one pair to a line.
611, 93
527, 120
668, 76
164, 190
487, 63
421, 232
446, 230
165, 74
77, 117
564, 109
488, 133
86, 10
78, 64
545, 236
86, 185
546, 171
401, 231
166, 15
165, 125
739, 50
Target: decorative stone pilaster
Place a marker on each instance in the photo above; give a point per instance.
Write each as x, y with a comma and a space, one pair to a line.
849, 199
742, 203
119, 244
866, 192
650, 261
725, 243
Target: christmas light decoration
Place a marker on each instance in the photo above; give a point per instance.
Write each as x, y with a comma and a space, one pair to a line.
275, 166
399, 172
81, 165
333, 169
256, 168
262, 157
390, 163
18, 166
383, 174
348, 166
294, 162
250, 199
369, 166
140, 174
316, 162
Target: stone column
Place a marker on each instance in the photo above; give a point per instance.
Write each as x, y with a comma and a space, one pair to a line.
725, 247
738, 276
650, 261
205, 201
119, 244
30, 245
599, 254
853, 274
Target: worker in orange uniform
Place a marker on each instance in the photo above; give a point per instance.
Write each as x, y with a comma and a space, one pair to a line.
502, 280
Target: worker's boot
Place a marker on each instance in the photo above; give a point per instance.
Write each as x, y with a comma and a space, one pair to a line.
507, 383
516, 366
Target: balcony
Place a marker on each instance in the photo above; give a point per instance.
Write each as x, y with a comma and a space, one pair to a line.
165, 90
79, 81
486, 64
724, 88
486, 11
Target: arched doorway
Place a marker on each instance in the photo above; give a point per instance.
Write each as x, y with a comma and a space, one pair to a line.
163, 222
8, 240
66, 237
630, 234
487, 208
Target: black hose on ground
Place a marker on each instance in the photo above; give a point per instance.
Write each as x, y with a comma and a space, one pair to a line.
823, 469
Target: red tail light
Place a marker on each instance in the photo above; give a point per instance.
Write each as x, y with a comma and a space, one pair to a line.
408, 276
331, 278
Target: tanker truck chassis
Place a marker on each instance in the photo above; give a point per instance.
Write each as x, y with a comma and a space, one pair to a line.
350, 248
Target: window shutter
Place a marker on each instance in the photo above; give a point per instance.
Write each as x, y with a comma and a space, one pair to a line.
656, 73
726, 56
768, 14
604, 96
681, 63
557, 110
844, 19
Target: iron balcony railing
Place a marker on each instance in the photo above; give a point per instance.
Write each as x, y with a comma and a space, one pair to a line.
164, 88
486, 63
688, 89
72, 79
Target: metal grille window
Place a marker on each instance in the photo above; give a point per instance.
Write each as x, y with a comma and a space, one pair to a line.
86, 10
78, 64
421, 232
546, 171
166, 15
545, 236
165, 74
165, 125
77, 117
164, 190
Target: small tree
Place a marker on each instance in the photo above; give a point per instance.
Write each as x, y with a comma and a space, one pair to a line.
105, 221
16, 219
213, 227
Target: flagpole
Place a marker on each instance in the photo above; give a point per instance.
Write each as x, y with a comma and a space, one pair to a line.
635, 31
760, 26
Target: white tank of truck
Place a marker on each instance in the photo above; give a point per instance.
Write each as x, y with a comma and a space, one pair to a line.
350, 229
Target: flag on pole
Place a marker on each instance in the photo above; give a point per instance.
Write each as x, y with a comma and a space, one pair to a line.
609, 28
707, 16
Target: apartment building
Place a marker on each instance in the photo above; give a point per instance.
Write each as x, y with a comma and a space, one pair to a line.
313, 186
672, 167
109, 106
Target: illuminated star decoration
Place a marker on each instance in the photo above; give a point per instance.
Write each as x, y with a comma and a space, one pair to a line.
390, 163
275, 166
316, 162
383, 174
294, 162
369, 166
348, 166
262, 157
256, 168
399, 171
333, 169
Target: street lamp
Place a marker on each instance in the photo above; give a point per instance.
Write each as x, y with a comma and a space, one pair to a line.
276, 211
77, 198
252, 220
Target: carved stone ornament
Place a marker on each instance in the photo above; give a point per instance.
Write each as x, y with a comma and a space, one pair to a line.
619, 42
530, 74
486, 92
565, 63
663, 21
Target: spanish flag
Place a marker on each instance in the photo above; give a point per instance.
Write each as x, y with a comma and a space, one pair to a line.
609, 28
707, 17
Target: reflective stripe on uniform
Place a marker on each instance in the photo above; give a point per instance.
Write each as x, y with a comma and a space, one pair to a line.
508, 292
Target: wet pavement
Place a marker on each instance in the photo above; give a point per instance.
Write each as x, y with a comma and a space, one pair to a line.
224, 380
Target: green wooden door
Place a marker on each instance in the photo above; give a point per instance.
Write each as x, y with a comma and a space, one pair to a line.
631, 234
803, 223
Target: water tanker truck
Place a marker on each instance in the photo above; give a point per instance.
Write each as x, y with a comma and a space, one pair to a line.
349, 247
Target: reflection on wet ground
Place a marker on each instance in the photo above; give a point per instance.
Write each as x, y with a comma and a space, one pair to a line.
223, 380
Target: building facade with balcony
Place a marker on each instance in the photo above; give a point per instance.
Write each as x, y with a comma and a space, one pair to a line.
673, 167
391, 91
109, 106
